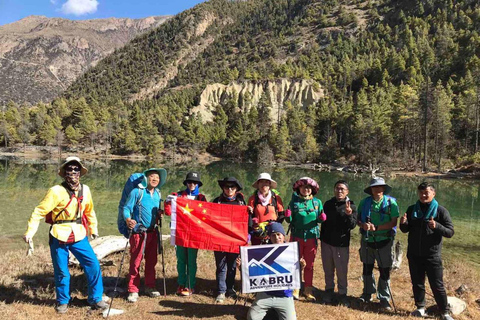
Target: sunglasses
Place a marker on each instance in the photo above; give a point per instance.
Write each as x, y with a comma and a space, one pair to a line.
229, 186
192, 182
72, 169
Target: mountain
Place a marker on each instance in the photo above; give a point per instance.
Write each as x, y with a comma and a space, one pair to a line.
40, 57
391, 82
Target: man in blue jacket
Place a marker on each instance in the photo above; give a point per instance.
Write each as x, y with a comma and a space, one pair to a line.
141, 214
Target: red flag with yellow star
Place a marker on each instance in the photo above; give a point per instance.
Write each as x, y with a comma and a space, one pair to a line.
208, 226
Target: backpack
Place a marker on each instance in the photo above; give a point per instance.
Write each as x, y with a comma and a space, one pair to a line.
132, 182
79, 219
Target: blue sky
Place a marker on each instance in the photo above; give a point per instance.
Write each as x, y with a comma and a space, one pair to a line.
13, 10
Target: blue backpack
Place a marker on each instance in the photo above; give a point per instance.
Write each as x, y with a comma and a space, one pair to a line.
132, 182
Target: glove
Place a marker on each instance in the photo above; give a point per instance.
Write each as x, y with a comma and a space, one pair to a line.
288, 213
94, 236
322, 217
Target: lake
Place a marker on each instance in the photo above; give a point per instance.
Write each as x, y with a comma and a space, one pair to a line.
22, 186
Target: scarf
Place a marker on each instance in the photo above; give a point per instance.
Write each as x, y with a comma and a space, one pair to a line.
194, 192
72, 180
265, 201
431, 210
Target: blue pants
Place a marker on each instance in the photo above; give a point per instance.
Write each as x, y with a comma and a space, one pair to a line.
226, 269
85, 255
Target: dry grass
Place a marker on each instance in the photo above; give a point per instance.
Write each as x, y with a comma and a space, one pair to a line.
27, 292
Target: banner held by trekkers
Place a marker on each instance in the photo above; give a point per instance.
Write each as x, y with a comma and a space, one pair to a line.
270, 267
206, 225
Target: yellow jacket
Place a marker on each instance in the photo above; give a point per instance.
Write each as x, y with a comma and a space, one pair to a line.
55, 200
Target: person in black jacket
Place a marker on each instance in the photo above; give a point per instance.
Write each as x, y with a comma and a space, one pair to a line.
335, 240
427, 223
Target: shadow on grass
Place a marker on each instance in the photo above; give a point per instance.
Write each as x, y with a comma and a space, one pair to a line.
202, 310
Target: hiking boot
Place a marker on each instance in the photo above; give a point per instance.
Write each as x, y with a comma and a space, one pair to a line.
220, 298
152, 292
385, 305
187, 292
180, 290
365, 298
61, 308
446, 316
309, 294
232, 294
132, 297
328, 296
343, 300
100, 305
296, 294
419, 312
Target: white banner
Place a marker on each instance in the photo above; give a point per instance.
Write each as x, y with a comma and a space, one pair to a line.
270, 267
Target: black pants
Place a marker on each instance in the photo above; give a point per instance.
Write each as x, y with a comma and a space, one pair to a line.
432, 266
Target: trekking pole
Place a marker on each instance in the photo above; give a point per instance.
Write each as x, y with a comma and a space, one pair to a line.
119, 272
388, 284
161, 251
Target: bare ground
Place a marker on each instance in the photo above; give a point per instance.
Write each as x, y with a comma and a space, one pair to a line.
27, 291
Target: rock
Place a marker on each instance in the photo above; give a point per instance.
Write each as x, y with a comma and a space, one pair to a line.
113, 312
457, 305
461, 290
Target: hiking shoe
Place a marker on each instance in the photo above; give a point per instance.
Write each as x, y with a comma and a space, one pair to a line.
343, 300
100, 305
447, 316
220, 298
152, 292
296, 294
308, 293
328, 296
232, 294
187, 292
365, 298
420, 312
132, 297
61, 308
385, 305
180, 290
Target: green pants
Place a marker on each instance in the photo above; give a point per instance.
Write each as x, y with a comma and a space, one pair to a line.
186, 265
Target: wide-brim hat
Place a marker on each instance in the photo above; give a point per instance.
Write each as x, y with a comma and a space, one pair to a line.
306, 181
376, 182
265, 176
61, 170
162, 174
226, 180
193, 176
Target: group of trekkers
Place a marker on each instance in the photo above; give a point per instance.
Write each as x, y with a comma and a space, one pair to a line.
69, 209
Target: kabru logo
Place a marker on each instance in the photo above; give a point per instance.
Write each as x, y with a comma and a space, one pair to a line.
261, 261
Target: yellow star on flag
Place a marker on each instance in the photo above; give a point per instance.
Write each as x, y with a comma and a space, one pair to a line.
200, 205
204, 211
187, 209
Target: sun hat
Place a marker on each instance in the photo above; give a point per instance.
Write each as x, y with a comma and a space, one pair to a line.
375, 182
226, 180
161, 172
193, 176
265, 176
306, 181
61, 170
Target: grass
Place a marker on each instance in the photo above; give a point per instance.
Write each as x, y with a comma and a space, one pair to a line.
27, 291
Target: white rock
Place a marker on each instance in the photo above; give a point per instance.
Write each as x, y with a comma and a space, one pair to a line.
113, 312
457, 305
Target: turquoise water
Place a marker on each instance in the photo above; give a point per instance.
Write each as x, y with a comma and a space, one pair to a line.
22, 186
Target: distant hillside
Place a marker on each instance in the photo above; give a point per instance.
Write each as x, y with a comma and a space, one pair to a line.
384, 81
40, 57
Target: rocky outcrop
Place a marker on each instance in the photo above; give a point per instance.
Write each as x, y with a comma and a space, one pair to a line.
299, 92
40, 56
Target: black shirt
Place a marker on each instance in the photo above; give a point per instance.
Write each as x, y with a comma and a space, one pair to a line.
335, 231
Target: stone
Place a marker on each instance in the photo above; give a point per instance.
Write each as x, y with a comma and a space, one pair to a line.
457, 305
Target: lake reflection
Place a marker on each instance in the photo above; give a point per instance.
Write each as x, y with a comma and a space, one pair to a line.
22, 186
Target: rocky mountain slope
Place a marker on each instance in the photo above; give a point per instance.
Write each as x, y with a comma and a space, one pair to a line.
40, 57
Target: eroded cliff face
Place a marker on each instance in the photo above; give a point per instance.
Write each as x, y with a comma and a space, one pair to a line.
40, 57
299, 92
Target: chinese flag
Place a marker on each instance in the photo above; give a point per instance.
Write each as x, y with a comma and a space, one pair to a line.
209, 226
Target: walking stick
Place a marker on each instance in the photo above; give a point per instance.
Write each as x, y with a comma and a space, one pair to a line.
388, 285
161, 251
119, 271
